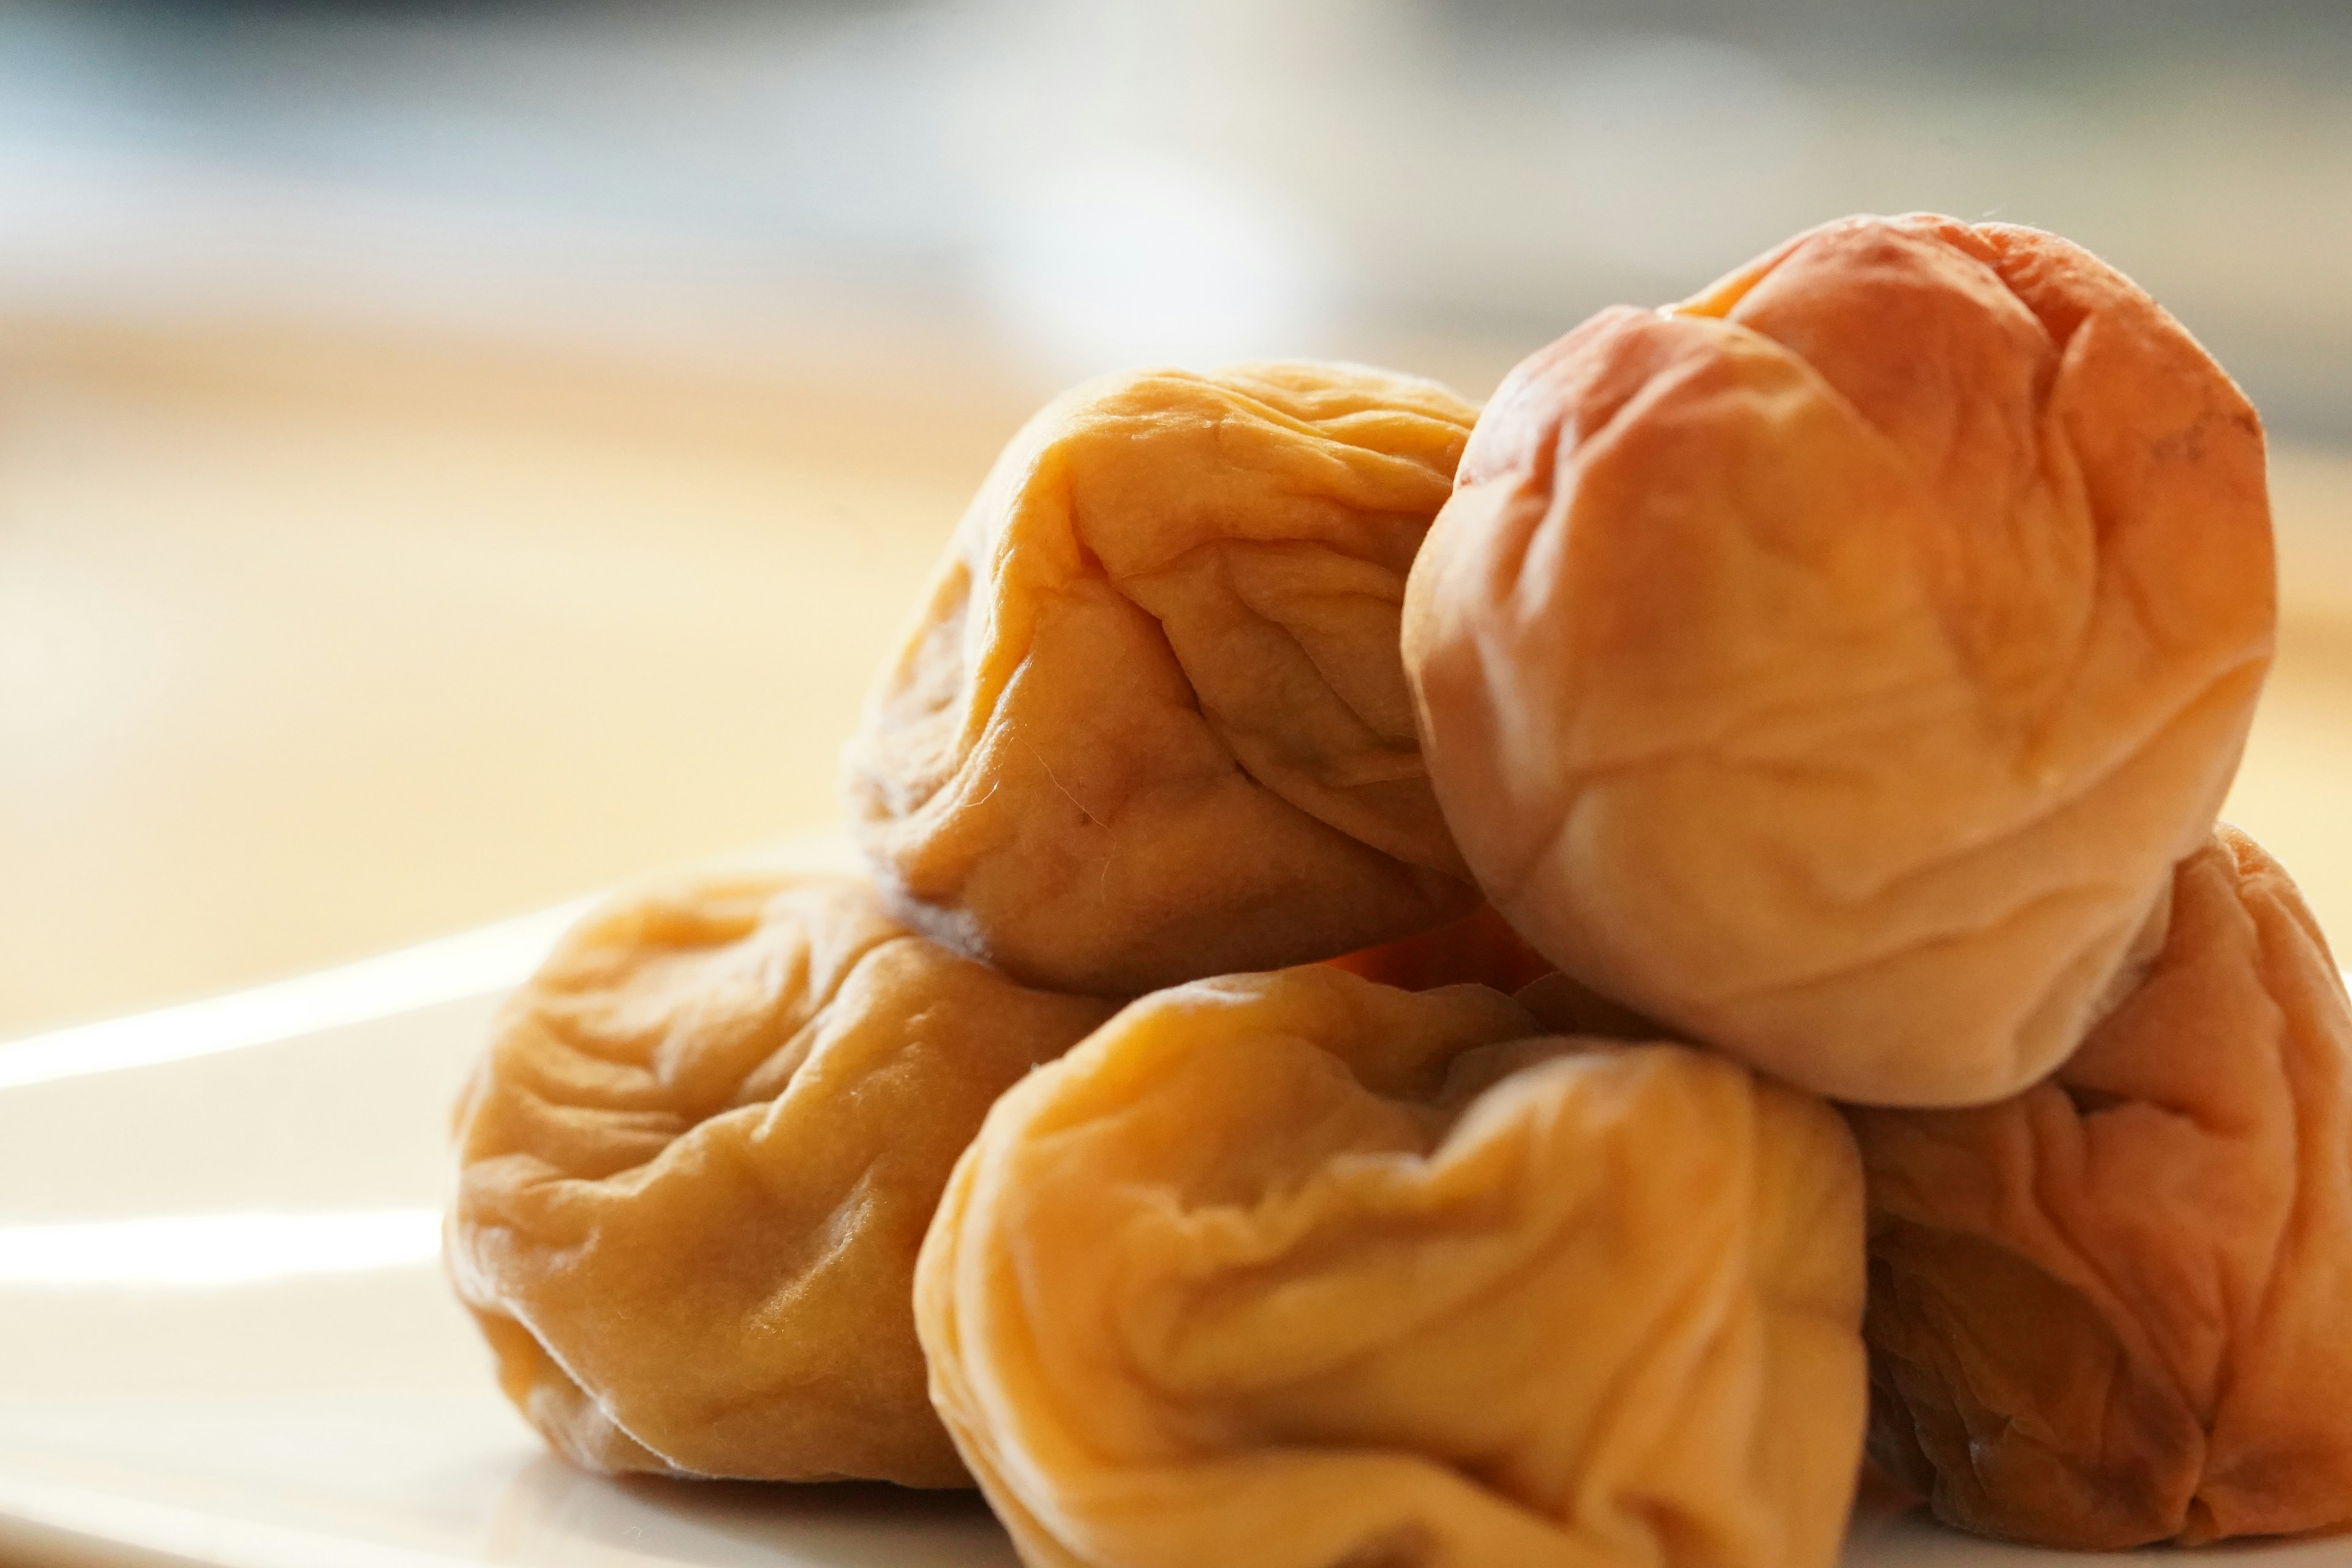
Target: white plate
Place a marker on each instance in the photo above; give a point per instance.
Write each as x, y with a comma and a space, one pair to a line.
296, 1388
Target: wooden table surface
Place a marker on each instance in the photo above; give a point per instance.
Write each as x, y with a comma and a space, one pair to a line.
314, 643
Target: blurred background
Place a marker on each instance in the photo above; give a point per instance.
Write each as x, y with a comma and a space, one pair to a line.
454, 457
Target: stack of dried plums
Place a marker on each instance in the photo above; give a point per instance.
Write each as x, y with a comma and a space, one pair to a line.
1819, 690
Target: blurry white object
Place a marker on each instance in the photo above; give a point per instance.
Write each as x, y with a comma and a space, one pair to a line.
1680, 156
727, 178
1112, 261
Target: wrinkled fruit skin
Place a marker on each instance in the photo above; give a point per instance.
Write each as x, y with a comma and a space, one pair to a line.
1835, 666
697, 1163
1297, 1270
2112, 1310
1152, 724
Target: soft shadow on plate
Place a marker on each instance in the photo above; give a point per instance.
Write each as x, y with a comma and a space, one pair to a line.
553, 1514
